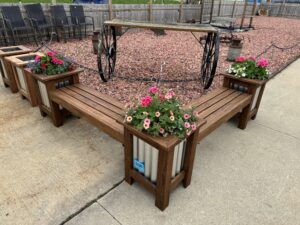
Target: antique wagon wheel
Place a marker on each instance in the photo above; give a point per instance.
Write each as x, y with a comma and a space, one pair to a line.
209, 59
107, 53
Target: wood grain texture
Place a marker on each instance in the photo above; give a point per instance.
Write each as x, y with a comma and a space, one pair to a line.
163, 26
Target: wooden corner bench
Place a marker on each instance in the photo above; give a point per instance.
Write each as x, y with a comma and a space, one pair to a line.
107, 114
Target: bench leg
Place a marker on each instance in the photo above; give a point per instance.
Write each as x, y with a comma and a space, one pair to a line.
244, 118
189, 158
163, 187
57, 117
128, 148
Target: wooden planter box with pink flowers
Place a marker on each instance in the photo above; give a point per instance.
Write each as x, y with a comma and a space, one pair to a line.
49, 72
160, 141
248, 75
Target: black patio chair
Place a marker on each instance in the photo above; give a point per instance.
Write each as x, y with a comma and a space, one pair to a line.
41, 23
16, 25
61, 21
78, 18
3, 32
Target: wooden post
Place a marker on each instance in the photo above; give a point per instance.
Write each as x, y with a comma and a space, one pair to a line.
150, 16
189, 159
110, 10
233, 9
219, 10
165, 161
201, 10
280, 8
212, 10
252, 13
180, 12
244, 12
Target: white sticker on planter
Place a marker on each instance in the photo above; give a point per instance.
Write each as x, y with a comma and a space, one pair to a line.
147, 160
4, 69
154, 164
44, 95
255, 98
21, 79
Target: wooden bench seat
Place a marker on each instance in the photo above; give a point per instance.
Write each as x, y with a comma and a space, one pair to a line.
99, 109
220, 106
107, 113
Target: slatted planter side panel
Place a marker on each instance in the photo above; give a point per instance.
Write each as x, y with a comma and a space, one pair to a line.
145, 158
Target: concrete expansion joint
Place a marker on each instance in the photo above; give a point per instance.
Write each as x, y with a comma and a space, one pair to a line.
110, 214
88, 204
279, 131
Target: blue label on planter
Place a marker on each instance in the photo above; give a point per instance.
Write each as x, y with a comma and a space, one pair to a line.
139, 166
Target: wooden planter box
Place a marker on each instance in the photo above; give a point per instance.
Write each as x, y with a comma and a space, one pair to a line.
5, 66
253, 87
159, 163
45, 83
24, 82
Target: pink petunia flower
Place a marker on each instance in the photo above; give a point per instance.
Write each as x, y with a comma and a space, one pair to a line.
186, 116
153, 90
146, 101
37, 58
262, 62
146, 126
60, 62
157, 114
187, 125
240, 59
194, 127
161, 130
147, 121
51, 54
169, 95
161, 97
129, 119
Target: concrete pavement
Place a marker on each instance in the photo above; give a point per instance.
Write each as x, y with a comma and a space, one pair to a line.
53, 176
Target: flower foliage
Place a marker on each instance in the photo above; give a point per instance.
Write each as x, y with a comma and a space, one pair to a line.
250, 68
51, 64
160, 113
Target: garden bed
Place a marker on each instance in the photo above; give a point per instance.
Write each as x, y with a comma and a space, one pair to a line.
141, 55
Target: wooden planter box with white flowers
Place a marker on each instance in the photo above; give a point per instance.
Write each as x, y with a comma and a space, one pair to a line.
160, 142
250, 76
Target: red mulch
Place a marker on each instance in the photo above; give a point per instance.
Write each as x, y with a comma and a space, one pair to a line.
141, 54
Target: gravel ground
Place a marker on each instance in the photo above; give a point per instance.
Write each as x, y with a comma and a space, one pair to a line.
141, 54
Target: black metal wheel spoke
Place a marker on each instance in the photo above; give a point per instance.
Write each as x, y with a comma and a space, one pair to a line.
209, 59
107, 53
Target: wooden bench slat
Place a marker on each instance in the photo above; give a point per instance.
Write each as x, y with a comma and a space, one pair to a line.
92, 104
97, 94
214, 100
220, 104
198, 101
97, 100
223, 114
102, 121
